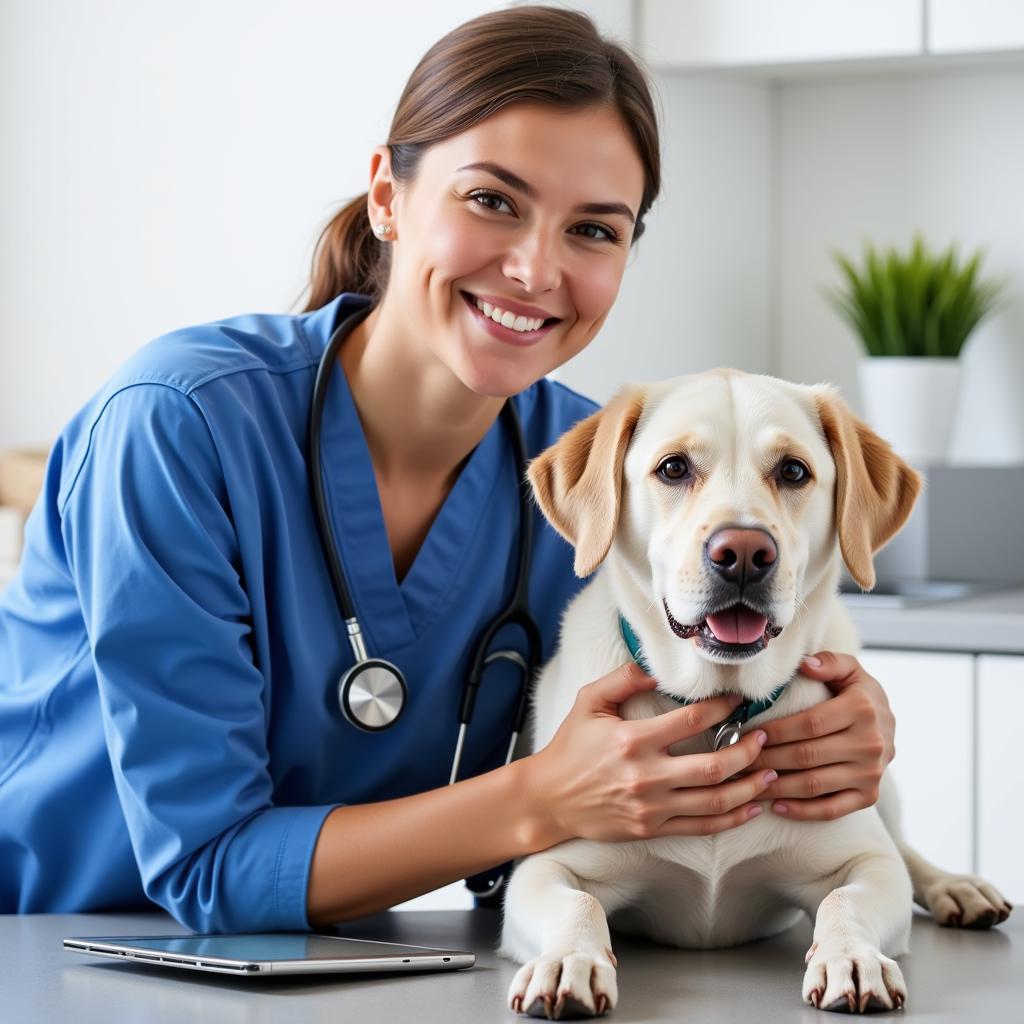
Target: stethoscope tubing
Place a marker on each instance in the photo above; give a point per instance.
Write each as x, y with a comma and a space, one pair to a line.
390, 698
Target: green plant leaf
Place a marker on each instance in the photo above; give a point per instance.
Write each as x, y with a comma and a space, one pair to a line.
918, 304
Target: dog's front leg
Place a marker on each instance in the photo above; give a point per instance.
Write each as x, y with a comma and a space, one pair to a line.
559, 932
846, 966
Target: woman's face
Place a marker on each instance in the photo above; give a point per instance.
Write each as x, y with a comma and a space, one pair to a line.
532, 212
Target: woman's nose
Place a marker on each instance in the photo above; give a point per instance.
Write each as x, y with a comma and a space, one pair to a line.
533, 263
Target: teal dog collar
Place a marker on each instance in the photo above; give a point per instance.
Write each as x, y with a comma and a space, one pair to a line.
730, 730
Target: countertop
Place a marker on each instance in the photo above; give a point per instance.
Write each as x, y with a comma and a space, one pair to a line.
952, 976
990, 622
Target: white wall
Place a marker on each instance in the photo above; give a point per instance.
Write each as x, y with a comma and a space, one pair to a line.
167, 164
941, 152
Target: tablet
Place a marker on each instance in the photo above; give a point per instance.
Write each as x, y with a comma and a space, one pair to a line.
272, 953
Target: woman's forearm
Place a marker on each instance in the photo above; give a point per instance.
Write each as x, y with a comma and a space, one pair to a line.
371, 856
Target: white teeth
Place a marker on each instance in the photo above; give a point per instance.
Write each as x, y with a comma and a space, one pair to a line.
507, 319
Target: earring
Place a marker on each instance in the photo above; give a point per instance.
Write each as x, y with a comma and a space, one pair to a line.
380, 230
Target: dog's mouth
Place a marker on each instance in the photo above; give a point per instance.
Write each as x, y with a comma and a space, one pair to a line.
735, 632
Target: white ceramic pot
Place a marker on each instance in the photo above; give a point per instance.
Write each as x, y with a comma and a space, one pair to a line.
911, 402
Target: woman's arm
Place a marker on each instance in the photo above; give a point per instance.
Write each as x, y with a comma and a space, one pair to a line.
371, 856
599, 778
152, 543
831, 757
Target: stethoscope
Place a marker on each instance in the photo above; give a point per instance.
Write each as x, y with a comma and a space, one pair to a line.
373, 693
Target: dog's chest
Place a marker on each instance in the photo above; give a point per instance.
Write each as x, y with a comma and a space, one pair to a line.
708, 891
705, 893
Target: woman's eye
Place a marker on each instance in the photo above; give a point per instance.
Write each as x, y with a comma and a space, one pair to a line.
792, 471
497, 203
603, 232
673, 469
485, 199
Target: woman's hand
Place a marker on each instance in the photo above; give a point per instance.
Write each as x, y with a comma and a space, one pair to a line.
608, 779
830, 757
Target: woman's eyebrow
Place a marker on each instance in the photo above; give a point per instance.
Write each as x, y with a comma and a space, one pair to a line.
514, 181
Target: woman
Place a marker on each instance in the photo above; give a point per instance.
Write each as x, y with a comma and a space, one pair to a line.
170, 650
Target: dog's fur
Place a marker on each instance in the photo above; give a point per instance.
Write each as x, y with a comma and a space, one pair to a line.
854, 875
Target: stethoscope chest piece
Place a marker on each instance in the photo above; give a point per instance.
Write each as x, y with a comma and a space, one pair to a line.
372, 694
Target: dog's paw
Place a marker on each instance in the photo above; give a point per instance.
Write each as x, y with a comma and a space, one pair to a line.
966, 901
565, 987
852, 979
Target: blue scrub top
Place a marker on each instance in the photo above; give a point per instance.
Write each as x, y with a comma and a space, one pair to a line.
170, 648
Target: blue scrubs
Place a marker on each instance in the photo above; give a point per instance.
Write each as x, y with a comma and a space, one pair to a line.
170, 648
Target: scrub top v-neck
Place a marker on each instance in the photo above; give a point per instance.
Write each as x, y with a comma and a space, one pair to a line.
170, 647
393, 614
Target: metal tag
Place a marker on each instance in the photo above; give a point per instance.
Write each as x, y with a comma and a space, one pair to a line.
727, 734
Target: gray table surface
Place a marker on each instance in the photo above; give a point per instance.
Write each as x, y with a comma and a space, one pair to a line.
989, 622
951, 976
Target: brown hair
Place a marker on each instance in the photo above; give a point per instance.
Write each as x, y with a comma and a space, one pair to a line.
527, 54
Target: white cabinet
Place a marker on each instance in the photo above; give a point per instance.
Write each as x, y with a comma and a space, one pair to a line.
932, 697
972, 26
732, 33
1001, 773
751, 33
958, 764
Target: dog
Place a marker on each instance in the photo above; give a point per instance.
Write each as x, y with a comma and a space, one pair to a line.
719, 507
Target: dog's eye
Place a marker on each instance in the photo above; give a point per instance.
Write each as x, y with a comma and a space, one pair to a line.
673, 469
792, 471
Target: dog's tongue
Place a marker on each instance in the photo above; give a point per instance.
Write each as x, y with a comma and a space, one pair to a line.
737, 625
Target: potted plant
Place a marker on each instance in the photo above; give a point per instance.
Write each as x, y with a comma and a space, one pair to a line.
913, 313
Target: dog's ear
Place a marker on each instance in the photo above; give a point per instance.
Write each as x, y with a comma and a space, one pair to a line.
578, 480
875, 488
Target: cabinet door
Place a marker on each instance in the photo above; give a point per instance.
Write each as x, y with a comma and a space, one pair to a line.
732, 33
972, 26
931, 696
1001, 773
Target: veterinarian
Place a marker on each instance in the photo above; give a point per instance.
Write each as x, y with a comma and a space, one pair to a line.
171, 727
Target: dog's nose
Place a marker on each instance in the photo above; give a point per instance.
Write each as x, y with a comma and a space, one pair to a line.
742, 555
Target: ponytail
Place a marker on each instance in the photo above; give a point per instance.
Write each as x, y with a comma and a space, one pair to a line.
348, 257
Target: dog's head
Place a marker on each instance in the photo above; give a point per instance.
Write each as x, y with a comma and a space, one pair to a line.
723, 496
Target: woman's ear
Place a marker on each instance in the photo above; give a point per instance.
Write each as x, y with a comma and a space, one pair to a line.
577, 482
380, 194
875, 488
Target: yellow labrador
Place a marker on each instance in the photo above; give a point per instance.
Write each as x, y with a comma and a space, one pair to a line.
718, 506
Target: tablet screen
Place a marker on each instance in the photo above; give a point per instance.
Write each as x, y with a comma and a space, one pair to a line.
267, 947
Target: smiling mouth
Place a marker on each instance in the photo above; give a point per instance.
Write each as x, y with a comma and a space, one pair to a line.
526, 327
737, 631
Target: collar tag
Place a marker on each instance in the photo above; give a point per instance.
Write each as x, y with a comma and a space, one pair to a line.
730, 731
727, 734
